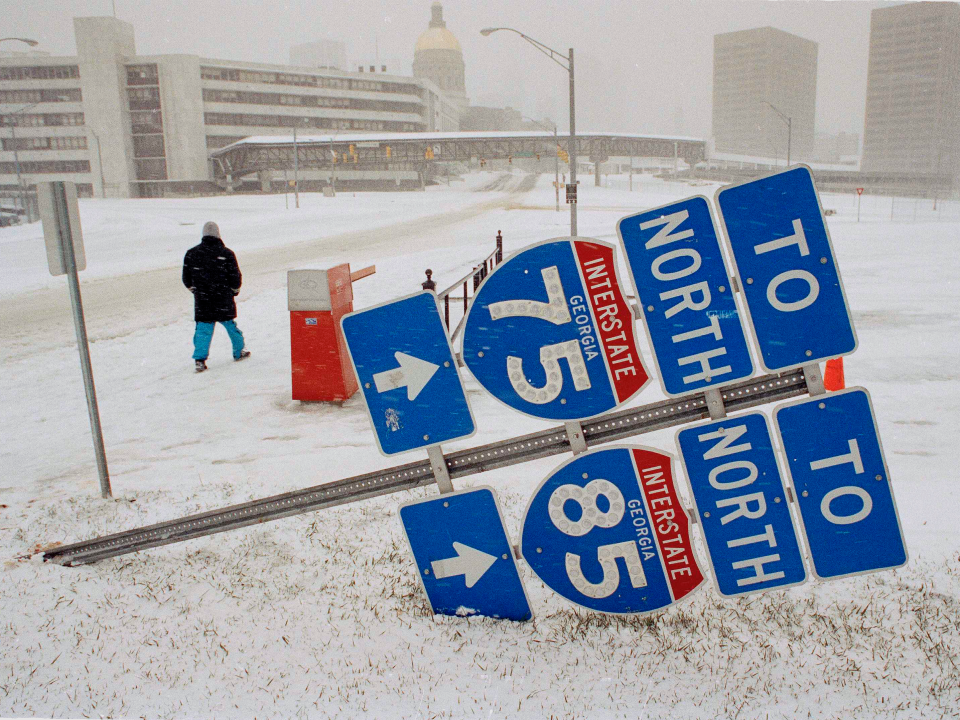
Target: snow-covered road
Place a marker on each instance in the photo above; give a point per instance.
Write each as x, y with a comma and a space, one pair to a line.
321, 615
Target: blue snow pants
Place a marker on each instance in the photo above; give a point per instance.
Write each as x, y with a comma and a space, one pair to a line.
204, 334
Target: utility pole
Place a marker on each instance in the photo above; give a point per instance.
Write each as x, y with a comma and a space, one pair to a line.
296, 168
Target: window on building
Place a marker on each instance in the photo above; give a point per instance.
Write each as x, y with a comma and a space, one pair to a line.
151, 169
142, 75
148, 146
41, 72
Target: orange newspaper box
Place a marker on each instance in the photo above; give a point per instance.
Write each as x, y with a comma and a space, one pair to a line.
320, 366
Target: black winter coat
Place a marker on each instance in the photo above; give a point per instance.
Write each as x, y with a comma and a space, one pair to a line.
211, 270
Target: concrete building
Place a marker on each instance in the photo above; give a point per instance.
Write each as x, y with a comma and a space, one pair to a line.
123, 125
752, 68
438, 58
912, 122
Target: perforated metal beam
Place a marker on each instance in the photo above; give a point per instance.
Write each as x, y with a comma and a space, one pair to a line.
607, 428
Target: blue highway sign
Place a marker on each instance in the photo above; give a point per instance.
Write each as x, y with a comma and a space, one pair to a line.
463, 555
841, 482
683, 288
607, 531
787, 269
742, 505
550, 332
405, 366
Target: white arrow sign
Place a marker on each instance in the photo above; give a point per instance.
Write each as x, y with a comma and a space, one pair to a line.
469, 562
413, 373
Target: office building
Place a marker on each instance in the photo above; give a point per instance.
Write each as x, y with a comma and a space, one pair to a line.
912, 122
123, 125
755, 71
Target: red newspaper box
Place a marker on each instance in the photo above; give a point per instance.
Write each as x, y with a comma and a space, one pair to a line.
320, 366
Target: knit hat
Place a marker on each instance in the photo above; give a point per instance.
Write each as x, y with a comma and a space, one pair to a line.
212, 229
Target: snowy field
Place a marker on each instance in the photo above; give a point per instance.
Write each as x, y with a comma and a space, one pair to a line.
321, 615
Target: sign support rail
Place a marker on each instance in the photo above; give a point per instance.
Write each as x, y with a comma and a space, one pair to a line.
545, 443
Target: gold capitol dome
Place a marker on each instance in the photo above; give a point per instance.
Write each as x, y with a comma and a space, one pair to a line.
438, 58
436, 36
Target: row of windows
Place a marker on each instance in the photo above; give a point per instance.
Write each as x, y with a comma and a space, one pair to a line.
40, 72
280, 78
142, 75
44, 120
39, 96
46, 166
306, 122
258, 98
45, 143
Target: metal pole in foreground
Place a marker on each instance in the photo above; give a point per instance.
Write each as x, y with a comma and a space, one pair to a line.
573, 148
296, 168
70, 265
16, 163
556, 166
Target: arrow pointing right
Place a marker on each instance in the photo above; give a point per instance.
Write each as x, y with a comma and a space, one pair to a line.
469, 562
412, 373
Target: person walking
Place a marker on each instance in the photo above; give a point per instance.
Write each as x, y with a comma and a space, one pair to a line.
211, 273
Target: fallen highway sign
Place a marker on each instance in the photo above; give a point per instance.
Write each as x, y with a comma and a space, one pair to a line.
685, 293
839, 475
606, 530
550, 332
787, 269
464, 558
742, 505
404, 363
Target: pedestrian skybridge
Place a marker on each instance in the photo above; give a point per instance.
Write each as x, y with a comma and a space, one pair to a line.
418, 151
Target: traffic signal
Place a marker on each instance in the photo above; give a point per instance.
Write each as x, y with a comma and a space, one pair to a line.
428, 154
510, 159
333, 152
389, 152
352, 152
355, 158
538, 156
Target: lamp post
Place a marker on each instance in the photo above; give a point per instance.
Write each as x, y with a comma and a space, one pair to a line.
556, 157
558, 58
103, 185
789, 121
16, 155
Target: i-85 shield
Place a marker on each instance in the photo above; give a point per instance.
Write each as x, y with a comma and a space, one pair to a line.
550, 332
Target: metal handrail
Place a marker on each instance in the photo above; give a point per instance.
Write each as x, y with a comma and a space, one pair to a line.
478, 273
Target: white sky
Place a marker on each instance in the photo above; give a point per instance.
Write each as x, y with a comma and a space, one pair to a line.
642, 65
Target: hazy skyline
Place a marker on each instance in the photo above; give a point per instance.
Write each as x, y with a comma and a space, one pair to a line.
641, 66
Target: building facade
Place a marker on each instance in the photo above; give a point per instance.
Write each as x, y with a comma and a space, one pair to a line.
438, 58
912, 121
752, 71
123, 125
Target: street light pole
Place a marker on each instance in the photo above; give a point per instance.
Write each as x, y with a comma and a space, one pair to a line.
103, 185
16, 156
558, 58
789, 121
296, 169
556, 157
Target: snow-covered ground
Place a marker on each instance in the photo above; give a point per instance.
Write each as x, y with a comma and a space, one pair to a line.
321, 615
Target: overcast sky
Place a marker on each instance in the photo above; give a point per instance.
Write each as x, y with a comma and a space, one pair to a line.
642, 65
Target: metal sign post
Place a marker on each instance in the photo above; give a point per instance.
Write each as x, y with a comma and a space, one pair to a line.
61, 228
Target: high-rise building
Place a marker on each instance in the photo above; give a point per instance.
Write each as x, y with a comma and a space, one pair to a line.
912, 122
120, 124
752, 71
